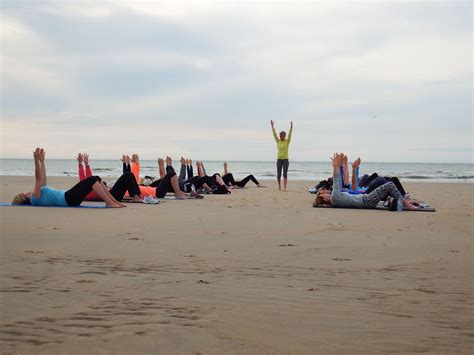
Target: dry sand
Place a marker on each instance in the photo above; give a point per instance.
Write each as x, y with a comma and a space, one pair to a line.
255, 272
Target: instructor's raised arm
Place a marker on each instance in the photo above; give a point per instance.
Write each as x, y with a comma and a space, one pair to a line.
274, 132
290, 132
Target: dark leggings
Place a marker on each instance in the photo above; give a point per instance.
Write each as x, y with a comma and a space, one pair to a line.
126, 168
163, 186
380, 194
229, 178
379, 181
75, 195
125, 183
282, 164
366, 179
198, 181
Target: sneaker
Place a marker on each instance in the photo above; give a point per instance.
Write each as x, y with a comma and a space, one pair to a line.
151, 200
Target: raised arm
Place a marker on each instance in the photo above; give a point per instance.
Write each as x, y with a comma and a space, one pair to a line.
355, 173
336, 175
40, 171
290, 132
346, 170
275, 136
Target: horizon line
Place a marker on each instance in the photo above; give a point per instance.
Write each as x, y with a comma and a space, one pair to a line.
259, 161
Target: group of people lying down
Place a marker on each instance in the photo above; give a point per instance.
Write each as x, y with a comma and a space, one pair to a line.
128, 187
366, 192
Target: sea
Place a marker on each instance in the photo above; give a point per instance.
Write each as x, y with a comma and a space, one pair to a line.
264, 170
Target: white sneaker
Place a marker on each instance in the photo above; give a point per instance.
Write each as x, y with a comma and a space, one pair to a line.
151, 200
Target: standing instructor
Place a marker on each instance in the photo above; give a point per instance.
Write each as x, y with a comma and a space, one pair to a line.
282, 162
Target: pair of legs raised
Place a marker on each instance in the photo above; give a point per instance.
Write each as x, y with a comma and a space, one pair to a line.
168, 183
78, 192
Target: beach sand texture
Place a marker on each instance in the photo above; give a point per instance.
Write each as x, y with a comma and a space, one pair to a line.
255, 272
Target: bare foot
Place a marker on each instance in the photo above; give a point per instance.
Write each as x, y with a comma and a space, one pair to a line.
169, 161
114, 205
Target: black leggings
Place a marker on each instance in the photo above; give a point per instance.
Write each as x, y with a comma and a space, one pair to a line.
229, 178
282, 164
126, 168
125, 183
198, 181
379, 181
163, 186
75, 195
365, 180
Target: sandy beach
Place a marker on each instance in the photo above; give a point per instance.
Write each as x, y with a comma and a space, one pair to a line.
256, 272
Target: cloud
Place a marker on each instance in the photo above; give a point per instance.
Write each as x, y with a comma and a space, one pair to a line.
199, 72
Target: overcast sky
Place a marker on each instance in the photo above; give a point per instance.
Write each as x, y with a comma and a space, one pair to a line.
387, 81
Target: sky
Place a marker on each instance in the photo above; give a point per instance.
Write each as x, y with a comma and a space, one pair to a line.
389, 81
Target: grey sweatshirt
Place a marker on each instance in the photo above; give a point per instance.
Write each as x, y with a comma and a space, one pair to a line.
344, 199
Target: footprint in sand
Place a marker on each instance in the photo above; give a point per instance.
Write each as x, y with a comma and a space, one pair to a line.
286, 245
340, 259
135, 238
313, 289
202, 282
34, 252
86, 281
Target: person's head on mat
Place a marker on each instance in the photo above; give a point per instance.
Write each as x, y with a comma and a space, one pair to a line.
323, 198
22, 199
282, 135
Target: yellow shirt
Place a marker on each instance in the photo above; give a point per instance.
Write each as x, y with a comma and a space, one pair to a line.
282, 145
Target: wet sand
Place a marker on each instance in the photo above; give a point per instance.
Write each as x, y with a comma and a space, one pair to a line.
254, 272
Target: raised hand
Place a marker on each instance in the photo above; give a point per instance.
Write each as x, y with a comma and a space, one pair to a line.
160, 161
85, 156
127, 159
79, 158
291, 124
356, 163
169, 161
272, 123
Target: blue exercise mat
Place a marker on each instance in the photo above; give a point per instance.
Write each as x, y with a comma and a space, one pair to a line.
5, 204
